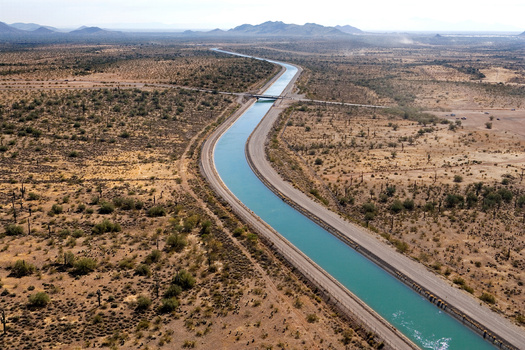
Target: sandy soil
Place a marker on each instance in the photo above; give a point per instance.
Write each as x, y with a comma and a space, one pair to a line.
350, 159
68, 152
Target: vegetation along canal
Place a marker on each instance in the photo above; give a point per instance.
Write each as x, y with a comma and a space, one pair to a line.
424, 323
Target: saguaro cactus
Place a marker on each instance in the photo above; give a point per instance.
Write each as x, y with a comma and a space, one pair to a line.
4, 321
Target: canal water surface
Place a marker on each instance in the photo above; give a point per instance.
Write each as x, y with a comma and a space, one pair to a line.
423, 322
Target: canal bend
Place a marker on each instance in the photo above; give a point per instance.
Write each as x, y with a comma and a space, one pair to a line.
424, 323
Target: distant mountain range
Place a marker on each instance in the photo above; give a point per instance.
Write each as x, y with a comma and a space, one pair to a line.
282, 29
4, 28
30, 29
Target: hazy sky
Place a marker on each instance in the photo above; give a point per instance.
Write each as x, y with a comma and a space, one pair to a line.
387, 15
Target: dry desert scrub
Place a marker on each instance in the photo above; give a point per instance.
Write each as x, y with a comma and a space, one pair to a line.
101, 243
450, 197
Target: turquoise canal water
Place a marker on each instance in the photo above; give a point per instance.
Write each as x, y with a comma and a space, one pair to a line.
413, 315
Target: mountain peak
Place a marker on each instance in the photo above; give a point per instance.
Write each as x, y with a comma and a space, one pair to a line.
7, 29
43, 30
278, 28
349, 29
87, 30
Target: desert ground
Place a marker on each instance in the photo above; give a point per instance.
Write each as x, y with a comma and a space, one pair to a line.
100, 187
110, 238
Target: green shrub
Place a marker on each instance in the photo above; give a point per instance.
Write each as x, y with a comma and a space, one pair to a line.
143, 270
172, 291
188, 344
153, 257
84, 266
69, 258
143, 324
168, 305
491, 200
190, 223
488, 298
129, 204
56, 209
97, 319
506, 194
21, 269
14, 230
368, 207
429, 206
143, 303
369, 216
312, 318
156, 211
452, 200
468, 289
77, 233
521, 201
106, 208
390, 190
238, 232
206, 227
184, 279
408, 204
252, 237
31, 196
176, 242
396, 206
347, 334
106, 226
39, 299
459, 281
126, 264
472, 199
64, 233
124, 203
401, 246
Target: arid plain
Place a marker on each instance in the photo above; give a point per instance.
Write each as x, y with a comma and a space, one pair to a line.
100, 192
100, 187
